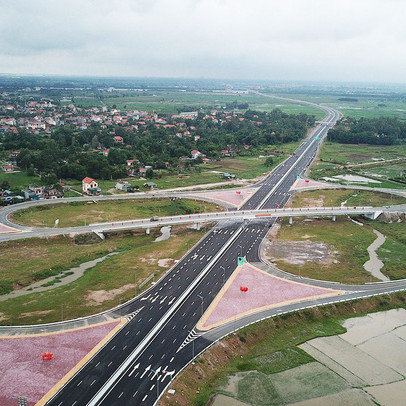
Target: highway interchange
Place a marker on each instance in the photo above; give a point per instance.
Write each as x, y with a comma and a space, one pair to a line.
160, 339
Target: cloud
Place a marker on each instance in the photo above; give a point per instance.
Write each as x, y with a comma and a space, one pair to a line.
269, 39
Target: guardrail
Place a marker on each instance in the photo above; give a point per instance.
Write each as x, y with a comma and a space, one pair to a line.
237, 216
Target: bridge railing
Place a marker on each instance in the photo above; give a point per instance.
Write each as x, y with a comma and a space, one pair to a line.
158, 221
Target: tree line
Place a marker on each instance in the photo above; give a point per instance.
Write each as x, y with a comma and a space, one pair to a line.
374, 131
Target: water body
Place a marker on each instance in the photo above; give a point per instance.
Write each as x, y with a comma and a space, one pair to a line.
374, 264
166, 233
356, 178
78, 271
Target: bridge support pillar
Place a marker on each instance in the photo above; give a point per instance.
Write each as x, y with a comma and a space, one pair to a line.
290, 219
197, 226
373, 215
334, 217
147, 230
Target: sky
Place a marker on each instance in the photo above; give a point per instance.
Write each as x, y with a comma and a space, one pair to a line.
309, 40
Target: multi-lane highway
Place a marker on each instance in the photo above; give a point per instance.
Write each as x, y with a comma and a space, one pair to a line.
160, 339
139, 361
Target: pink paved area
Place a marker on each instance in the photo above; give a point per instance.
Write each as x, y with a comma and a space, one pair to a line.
264, 290
24, 373
307, 183
7, 229
236, 197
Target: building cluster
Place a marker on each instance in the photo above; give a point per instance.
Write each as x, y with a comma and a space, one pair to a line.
31, 192
42, 116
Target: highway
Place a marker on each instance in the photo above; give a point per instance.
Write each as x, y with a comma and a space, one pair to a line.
138, 363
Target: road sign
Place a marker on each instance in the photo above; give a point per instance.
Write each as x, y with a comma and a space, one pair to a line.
240, 261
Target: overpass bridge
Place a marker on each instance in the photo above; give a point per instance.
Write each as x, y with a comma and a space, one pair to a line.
234, 215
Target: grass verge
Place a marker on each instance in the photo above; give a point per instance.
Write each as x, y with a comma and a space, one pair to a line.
82, 213
347, 245
340, 159
102, 287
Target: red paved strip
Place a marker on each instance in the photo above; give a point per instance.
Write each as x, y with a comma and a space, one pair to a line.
306, 183
233, 196
24, 373
263, 290
7, 229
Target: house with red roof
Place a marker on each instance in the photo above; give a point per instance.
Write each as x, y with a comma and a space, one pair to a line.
89, 183
195, 154
8, 168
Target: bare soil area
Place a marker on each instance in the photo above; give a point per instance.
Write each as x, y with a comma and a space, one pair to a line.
300, 252
3, 317
166, 262
312, 201
99, 296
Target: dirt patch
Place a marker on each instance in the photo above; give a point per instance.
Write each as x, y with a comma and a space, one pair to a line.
300, 252
97, 297
273, 232
166, 262
37, 313
148, 260
359, 157
17, 286
392, 217
3, 317
313, 201
222, 400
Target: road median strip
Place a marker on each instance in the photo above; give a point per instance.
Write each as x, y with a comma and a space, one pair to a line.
112, 381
